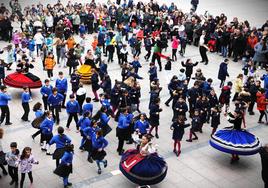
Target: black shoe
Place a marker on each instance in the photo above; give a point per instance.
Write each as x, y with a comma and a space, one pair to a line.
63, 107
99, 171
205, 63
174, 151
43, 149
90, 160
196, 138
49, 154
156, 136
9, 123
166, 104
69, 184
16, 184
189, 140
105, 163
12, 182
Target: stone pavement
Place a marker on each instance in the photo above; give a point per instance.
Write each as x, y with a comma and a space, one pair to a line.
199, 165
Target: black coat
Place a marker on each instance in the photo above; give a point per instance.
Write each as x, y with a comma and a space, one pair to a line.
189, 68
223, 72
178, 130
95, 82
215, 119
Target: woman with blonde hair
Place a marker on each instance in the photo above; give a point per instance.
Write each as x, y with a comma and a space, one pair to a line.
238, 85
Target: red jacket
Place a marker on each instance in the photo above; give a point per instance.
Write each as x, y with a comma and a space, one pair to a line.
261, 101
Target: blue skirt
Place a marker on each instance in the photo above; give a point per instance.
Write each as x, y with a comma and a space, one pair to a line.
233, 141
151, 170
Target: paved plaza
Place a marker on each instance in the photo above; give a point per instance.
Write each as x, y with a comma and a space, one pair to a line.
199, 165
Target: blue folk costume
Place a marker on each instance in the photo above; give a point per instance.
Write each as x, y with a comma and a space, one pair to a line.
235, 140
146, 169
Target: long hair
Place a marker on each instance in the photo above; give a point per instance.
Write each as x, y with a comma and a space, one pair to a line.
37, 106
23, 155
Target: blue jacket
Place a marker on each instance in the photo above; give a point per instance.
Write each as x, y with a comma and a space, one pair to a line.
31, 45
55, 100
223, 71
60, 141
99, 142
84, 123
153, 73
47, 126
61, 85
141, 126
104, 119
88, 107
265, 79
122, 122
67, 158
46, 90
72, 107
25, 97
38, 113
4, 98
89, 131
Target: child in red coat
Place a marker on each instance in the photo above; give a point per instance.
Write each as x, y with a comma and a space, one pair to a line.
261, 105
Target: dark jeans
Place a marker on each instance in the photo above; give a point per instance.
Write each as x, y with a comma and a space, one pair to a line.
50, 73
157, 57
23, 178
45, 102
203, 53
174, 54
80, 100
5, 114
64, 98
120, 144
70, 118
13, 172
26, 109
251, 106
263, 113
55, 111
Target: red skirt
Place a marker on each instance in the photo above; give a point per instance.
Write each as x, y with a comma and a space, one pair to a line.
19, 80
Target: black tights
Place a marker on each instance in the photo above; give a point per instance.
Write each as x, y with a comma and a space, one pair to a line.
23, 178
263, 113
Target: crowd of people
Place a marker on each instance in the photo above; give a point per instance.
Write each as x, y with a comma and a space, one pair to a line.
48, 35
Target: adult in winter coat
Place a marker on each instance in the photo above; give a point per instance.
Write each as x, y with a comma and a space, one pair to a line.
260, 51
223, 72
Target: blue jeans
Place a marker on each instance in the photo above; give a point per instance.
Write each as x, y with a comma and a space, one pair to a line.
65, 180
224, 51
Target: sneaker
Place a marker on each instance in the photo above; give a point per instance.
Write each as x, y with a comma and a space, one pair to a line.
99, 171
105, 163
189, 140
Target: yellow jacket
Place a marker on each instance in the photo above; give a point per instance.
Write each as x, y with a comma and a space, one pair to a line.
238, 85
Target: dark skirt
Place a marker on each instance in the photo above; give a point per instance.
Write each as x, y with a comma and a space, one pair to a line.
46, 137
58, 153
98, 155
154, 120
88, 145
106, 129
63, 170
122, 133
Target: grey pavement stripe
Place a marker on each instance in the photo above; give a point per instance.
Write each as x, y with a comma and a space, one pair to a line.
166, 156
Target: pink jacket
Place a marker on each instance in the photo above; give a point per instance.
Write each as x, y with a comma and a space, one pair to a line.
175, 43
